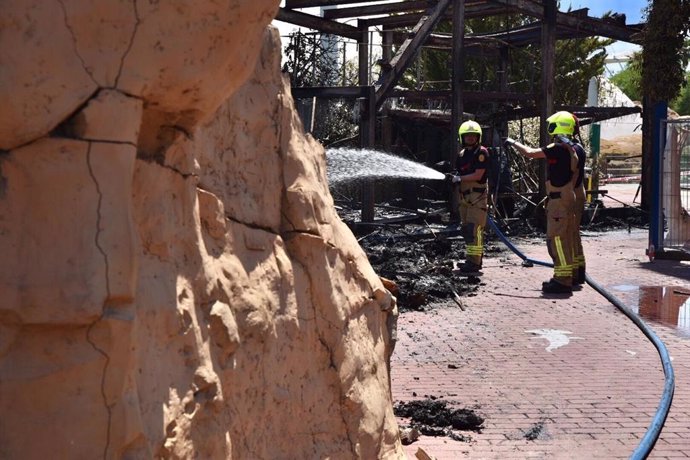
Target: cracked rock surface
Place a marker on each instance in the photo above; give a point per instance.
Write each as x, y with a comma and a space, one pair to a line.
175, 280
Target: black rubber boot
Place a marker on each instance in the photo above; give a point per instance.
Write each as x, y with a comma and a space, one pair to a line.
554, 287
580, 275
576, 279
470, 268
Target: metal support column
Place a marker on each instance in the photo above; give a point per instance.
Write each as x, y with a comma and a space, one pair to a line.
656, 214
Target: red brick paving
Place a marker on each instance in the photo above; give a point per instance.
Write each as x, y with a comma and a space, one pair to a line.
595, 396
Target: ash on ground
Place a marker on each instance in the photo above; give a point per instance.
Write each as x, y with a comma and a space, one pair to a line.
421, 261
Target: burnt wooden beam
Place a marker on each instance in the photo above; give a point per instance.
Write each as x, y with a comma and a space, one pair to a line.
548, 67
602, 28
381, 8
410, 19
457, 85
291, 4
592, 26
576, 21
525, 35
317, 23
475, 7
588, 115
518, 37
330, 92
585, 115
407, 51
436, 117
468, 96
386, 124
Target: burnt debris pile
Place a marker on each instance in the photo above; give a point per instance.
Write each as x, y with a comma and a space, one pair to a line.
433, 417
419, 250
421, 261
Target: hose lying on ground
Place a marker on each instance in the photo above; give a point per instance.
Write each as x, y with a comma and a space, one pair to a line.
649, 439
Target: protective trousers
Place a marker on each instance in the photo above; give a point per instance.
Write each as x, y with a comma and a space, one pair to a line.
472, 211
559, 234
578, 253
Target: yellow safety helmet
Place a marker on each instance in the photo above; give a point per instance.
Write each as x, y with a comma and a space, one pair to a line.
470, 127
561, 123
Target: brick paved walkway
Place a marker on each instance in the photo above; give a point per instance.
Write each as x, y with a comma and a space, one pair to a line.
593, 398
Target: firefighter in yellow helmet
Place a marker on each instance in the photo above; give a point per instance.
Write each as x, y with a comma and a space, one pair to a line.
561, 174
471, 166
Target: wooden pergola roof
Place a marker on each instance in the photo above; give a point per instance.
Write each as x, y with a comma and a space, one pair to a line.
411, 24
422, 16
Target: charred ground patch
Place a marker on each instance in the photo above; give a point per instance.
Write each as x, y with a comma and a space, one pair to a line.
434, 417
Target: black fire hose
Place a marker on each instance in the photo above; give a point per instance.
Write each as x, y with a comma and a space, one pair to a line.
649, 439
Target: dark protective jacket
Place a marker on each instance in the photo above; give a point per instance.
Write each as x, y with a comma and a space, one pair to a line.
558, 159
469, 160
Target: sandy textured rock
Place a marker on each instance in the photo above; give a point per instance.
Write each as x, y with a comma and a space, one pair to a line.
43, 79
177, 283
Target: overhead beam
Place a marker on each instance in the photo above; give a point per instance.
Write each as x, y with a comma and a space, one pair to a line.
371, 10
577, 21
518, 37
317, 23
345, 92
411, 6
330, 92
407, 51
585, 115
467, 96
291, 4
592, 26
410, 19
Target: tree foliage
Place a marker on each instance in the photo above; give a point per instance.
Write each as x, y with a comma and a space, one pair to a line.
664, 53
629, 80
576, 61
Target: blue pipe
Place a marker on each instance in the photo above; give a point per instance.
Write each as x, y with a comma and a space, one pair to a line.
649, 439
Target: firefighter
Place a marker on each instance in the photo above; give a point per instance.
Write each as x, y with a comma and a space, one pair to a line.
562, 168
471, 167
579, 263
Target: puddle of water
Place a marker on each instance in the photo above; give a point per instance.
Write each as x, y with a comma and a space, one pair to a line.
626, 287
669, 305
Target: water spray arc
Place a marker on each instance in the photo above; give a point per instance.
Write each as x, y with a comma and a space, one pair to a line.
351, 165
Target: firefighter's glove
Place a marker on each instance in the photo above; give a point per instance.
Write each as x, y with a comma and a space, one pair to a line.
509, 141
455, 179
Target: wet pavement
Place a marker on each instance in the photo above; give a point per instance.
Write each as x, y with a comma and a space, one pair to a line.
553, 376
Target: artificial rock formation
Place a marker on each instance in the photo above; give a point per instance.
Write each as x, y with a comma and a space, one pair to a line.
175, 281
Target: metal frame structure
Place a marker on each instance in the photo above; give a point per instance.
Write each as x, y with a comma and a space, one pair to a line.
669, 231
